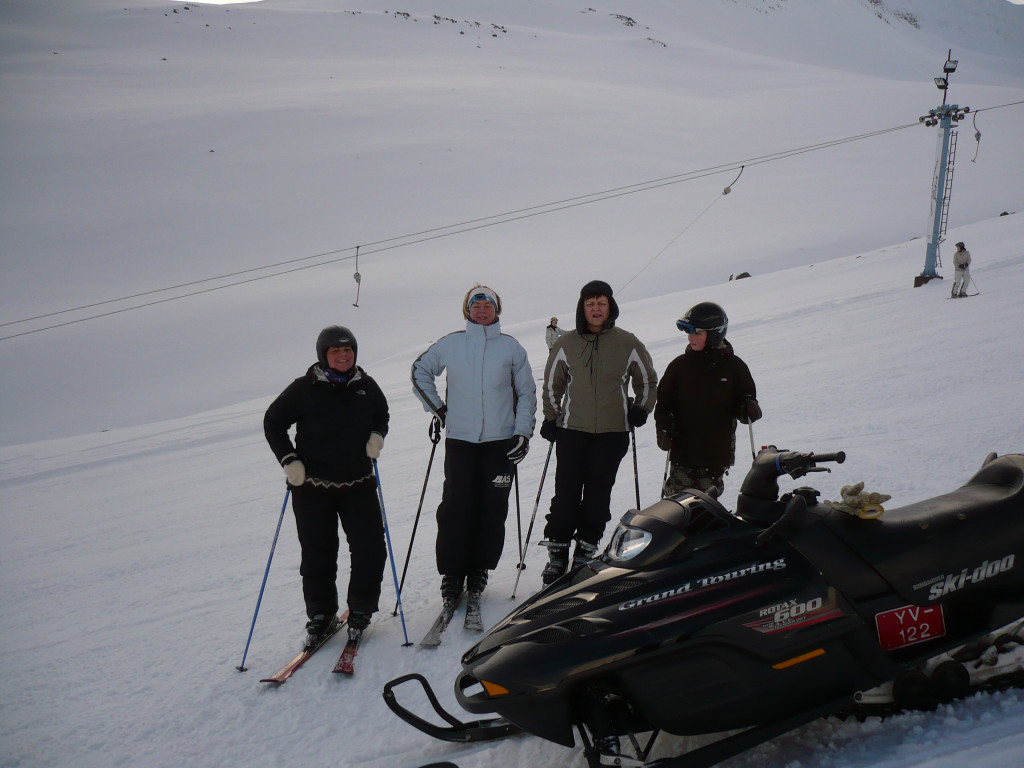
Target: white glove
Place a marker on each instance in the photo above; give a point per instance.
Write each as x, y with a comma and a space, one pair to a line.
374, 444
295, 471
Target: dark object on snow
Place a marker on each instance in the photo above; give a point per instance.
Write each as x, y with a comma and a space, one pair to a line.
698, 621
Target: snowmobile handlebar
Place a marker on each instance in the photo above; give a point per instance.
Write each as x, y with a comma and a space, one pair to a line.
799, 464
771, 463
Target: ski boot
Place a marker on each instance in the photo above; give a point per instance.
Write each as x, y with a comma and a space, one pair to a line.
318, 627
558, 560
358, 621
476, 581
451, 589
585, 552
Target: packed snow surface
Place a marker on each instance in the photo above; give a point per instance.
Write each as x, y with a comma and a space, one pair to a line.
151, 147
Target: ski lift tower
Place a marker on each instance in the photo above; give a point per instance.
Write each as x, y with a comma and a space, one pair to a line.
943, 116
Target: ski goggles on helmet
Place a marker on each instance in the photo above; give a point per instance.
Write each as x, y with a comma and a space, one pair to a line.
686, 327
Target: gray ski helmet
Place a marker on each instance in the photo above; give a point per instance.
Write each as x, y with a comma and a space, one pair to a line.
706, 316
335, 336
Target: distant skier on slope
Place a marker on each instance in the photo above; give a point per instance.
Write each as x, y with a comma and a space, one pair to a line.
702, 394
488, 412
961, 271
341, 419
552, 332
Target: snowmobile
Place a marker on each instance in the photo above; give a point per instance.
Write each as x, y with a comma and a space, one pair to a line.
698, 621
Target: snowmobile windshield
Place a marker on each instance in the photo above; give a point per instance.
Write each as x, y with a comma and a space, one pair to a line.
628, 542
665, 529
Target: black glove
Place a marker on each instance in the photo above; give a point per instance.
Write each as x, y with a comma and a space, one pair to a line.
441, 413
750, 411
434, 430
637, 416
664, 440
548, 430
518, 448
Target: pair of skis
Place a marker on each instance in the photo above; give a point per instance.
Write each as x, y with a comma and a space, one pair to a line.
345, 664
474, 621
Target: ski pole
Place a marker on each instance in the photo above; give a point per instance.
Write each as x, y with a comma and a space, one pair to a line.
664, 478
522, 556
391, 554
636, 471
241, 667
434, 432
753, 453
519, 517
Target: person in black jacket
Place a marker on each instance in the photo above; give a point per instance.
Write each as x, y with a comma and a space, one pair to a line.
341, 419
702, 395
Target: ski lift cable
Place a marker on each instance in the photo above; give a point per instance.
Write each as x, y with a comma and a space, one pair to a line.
725, 192
295, 269
449, 230
596, 196
459, 228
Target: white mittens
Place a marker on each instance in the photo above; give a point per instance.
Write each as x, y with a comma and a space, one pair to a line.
295, 471
374, 444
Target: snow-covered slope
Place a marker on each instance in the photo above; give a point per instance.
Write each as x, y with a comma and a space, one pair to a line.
156, 144
143, 148
131, 560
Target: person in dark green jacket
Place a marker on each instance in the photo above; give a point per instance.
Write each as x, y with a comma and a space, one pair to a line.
701, 396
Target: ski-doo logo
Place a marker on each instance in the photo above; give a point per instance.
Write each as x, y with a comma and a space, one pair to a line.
951, 582
502, 481
706, 581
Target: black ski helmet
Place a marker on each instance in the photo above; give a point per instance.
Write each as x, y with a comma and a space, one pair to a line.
706, 316
335, 336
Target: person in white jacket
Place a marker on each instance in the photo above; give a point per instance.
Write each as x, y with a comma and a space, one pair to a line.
552, 332
961, 271
488, 412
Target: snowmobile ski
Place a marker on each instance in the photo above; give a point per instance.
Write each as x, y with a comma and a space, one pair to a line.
474, 621
346, 662
289, 669
456, 730
433, 637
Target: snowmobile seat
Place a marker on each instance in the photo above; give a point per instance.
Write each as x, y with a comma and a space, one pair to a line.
916, 546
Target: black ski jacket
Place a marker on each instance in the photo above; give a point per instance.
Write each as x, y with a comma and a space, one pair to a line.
699, 398
332, 422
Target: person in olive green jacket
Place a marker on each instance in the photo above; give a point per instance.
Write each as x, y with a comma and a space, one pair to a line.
588, 414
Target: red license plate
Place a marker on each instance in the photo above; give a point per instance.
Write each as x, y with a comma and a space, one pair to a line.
909, 625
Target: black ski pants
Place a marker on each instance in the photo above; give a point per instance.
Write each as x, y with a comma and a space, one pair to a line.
474, 505
584, 476
317, 512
